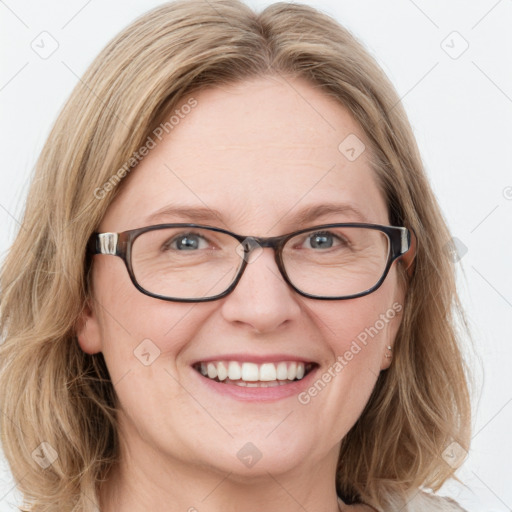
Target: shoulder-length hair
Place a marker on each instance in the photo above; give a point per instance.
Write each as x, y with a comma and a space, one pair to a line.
58, 403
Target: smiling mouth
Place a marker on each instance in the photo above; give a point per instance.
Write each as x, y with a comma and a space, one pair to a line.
254, 375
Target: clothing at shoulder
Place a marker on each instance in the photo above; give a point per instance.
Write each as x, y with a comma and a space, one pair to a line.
421, 501
426, 502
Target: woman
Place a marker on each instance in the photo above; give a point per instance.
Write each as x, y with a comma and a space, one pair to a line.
231, 289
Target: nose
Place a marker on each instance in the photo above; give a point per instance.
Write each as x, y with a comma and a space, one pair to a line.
262, 299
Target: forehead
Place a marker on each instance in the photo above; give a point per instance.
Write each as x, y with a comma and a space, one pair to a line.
258, 151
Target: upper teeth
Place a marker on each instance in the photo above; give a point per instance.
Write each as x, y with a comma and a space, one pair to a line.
251, 372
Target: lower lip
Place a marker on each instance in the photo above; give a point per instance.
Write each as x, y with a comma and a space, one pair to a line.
256, 394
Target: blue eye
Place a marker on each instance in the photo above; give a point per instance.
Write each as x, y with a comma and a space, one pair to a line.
322, 240
185, 241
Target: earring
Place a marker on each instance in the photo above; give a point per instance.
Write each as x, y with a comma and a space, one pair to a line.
390, 350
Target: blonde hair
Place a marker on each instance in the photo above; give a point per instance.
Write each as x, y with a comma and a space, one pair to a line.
52, 392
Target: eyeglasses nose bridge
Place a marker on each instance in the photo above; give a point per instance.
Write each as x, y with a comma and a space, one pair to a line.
252, 243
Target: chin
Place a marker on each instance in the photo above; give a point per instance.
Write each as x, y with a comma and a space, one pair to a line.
257, 456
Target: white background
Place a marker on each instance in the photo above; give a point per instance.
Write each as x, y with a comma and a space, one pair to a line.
460, 107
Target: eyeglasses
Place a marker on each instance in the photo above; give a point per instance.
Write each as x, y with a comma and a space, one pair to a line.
196, 263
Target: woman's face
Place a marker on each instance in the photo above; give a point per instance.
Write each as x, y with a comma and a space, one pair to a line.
258, 153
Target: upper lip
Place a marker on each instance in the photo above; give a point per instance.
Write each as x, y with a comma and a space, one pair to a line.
254, 358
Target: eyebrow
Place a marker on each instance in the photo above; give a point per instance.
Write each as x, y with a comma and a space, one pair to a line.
199, 214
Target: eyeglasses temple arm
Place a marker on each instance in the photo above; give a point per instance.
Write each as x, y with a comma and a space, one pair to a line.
104, 243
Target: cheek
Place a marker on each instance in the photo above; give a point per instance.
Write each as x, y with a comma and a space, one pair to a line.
361, 329
142, 339
358, 331
138, 331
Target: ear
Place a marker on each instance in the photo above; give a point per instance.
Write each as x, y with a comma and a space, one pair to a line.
408, 258
88, 330
387, 357
389, 342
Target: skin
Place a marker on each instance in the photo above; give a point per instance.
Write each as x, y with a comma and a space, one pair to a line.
258, 152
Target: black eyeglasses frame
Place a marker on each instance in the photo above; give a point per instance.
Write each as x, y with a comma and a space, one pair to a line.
120, 244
